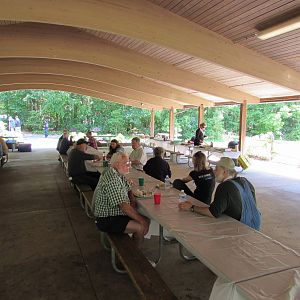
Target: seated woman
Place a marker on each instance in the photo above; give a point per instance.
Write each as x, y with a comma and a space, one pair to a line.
203, 177
91, 140
156, 166
114, 148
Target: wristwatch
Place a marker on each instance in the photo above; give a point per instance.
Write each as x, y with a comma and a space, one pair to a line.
192, 208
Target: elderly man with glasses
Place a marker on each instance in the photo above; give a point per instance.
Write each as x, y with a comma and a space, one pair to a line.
115, 204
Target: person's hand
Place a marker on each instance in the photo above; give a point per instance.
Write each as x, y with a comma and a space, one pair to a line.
130, 181
97, 158
185, 205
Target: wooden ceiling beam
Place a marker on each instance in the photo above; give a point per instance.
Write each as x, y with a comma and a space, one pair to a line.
65, 43
141, 19
88, 84
280, 99
97, 73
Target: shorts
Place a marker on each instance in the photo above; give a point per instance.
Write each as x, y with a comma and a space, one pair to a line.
115, 224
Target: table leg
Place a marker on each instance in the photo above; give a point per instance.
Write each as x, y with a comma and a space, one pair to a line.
184, 256
114, 264
104, 241
160, 247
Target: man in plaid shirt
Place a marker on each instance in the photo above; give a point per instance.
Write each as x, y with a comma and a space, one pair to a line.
114, 202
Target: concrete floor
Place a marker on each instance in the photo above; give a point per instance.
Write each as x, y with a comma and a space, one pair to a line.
49, 249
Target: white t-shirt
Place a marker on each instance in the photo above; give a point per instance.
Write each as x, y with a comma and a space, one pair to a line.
138, 154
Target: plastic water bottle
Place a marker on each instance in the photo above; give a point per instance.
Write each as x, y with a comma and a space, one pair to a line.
182, 196
168, 183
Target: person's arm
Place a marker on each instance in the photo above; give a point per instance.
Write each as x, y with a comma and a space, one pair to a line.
187, 179
132, 213
188, 205
87, 156
132, 199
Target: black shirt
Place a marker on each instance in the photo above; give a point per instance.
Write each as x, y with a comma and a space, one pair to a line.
199, 137
157, 168
59, 142
64, 146
228, 199
205, 184
76, 158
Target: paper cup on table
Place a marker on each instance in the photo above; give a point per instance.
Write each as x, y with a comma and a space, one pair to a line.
141, 181
157, 197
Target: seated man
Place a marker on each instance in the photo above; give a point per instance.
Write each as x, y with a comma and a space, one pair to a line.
137, 157
65, 144
76, 165
114, 202
156, 166
91, 140
235, 197
60, 139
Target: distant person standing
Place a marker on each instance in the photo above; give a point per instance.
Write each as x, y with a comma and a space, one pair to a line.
46, 128
17, 124
11, 124
199, 138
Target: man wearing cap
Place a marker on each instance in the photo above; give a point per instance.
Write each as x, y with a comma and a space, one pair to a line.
76, 165
234, 196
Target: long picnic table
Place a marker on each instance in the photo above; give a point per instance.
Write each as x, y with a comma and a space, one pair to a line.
235, 252
239, 255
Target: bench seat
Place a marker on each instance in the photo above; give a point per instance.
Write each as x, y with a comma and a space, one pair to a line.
88, 203
82, 188
145, 278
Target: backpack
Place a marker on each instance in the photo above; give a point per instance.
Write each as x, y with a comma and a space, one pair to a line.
251, 216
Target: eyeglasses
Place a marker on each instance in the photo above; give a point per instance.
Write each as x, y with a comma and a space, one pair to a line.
128, 163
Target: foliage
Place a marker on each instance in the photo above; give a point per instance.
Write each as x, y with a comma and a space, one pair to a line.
78, 112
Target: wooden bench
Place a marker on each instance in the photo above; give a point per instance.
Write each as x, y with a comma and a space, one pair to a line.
144, 277
82, 188
64, 162
88, 203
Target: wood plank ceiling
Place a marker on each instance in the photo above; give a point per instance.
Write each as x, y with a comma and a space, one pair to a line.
237, 20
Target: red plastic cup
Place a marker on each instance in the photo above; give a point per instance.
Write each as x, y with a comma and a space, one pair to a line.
157, 198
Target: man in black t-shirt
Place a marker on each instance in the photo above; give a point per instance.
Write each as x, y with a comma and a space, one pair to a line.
228, 199
76, 165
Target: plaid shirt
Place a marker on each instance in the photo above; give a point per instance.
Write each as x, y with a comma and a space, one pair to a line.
111, 191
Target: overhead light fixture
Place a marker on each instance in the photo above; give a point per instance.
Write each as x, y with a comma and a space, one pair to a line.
280, 28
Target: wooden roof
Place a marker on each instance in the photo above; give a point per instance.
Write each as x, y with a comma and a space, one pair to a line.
164, 53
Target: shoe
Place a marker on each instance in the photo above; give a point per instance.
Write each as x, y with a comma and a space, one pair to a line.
153, 264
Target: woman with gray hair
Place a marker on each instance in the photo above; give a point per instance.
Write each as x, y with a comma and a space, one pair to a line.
157, 167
